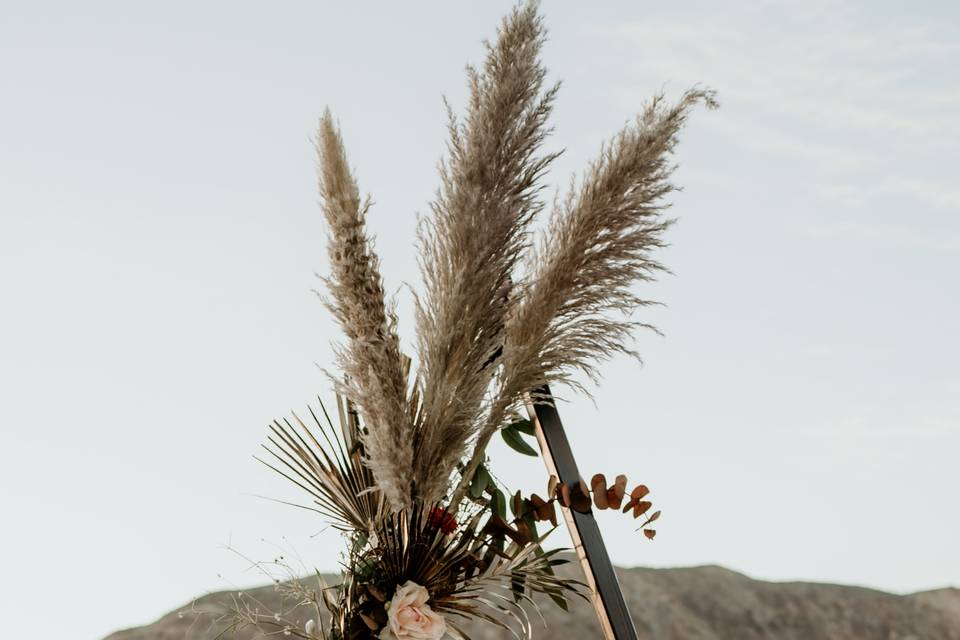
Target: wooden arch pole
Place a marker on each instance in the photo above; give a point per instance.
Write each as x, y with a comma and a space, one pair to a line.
605, 589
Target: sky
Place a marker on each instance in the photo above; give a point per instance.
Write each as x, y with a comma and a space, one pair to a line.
799, 419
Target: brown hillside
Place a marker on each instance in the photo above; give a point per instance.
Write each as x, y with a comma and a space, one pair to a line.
699, 603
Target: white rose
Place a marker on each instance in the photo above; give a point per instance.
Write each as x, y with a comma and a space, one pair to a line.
409, 616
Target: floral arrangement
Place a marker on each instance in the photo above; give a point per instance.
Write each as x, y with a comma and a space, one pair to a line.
402, 471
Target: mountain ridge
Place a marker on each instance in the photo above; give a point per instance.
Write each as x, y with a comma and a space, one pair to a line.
707, 602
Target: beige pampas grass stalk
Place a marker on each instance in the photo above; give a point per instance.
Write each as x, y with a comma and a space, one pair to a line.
473, 242
574, 310
375, 374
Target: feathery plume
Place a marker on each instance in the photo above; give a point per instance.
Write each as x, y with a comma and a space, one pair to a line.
371, 361
574, 309
472, 243
598, 245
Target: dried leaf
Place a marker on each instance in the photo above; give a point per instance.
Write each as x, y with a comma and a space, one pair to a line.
552, 485
498, 527
565, 497
617, 491
580, 497
544, 510
370, 622
525, 532
599, 487
641, 508
650, 533
612, 501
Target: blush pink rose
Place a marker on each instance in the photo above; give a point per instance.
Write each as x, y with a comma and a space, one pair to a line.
410, 617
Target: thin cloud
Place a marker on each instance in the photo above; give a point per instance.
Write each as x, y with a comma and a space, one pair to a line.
864, 107
886, 234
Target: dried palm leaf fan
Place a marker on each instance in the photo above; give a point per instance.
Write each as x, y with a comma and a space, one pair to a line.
501, 317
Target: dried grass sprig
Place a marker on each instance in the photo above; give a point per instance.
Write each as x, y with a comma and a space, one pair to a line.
574, 310
576, 305
474, 239
371, 360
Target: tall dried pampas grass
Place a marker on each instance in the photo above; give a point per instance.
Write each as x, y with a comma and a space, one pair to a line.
574, 309
474, 240
375, 375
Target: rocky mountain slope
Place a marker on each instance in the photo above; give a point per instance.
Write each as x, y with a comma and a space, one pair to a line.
699, 603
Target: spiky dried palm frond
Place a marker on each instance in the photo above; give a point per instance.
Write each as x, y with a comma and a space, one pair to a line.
472, 242
502, 593
371, 360
332, 472
575, 308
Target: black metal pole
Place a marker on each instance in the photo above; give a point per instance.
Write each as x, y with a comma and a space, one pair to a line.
608, 598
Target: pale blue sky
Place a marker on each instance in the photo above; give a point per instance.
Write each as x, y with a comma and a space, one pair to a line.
159, 233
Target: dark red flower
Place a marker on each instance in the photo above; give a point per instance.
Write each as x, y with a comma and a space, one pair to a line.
442, 519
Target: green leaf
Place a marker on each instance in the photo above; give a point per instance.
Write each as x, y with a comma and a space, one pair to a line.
364, 569
516, 442
523, 426
480, 481
359, 541
498, 503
